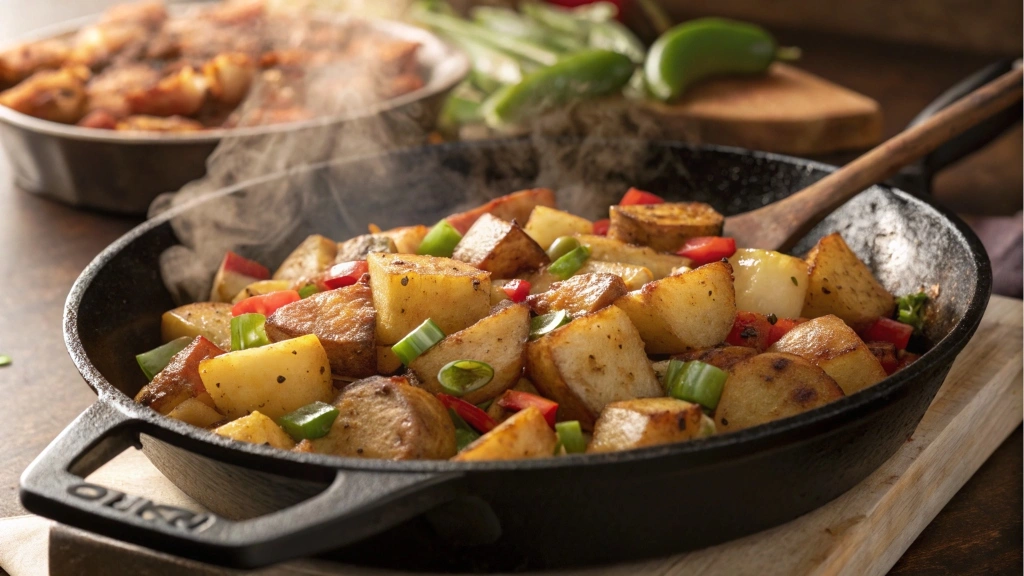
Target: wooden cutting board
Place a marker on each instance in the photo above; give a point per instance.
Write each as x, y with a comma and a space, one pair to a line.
862, 532
788, 111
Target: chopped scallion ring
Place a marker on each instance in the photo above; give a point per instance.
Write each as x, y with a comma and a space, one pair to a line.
462, 376
696, 382
545, 323
418, 341
308, 290
440, 241
247, 331
570, 437
562, 246
570, 263
464, 433
309, 422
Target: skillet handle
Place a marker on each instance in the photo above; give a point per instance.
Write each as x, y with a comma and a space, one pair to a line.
357, 504
918, 177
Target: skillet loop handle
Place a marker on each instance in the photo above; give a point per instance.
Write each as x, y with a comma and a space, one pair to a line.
918, 177
356, 504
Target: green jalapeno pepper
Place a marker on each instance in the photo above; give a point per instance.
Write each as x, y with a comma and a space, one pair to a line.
708, 47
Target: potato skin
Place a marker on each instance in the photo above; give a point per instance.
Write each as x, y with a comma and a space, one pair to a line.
360, 247
387, 417
723, 357
645, 422
180, 379
695, 309
408, 289
343, 319
498, 339
211, 320
257, 428
589, 363
834, 347
771, 386
606, 249
517, 206
524, 434
840, 283
664, 227
314, 255
499, 247
579, 295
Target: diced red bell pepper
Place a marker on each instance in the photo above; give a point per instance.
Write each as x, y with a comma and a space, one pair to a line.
780, 328
601, 227
473, 416
265, 304
888, 330
517, 400
517, 290
707, 249
242, 265
886, 354
750, 329
345, 274
635, 196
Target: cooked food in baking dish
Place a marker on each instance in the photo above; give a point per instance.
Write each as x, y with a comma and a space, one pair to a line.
517, 330
218, 65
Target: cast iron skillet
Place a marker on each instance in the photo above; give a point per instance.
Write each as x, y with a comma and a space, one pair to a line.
271, 505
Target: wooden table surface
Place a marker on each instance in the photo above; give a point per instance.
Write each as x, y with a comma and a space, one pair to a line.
46, 245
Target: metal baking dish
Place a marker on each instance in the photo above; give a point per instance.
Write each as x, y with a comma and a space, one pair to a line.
123, 173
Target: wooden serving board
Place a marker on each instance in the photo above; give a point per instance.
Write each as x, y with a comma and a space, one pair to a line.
788, 111
863, 532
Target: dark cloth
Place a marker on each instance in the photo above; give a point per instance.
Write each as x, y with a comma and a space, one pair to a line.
1003, 237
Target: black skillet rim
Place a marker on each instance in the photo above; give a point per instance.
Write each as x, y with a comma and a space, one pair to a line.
787, 430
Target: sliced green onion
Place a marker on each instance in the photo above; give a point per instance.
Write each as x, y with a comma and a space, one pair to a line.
696, 382
568, 264
545, 323
308, 290
440, 241
309, 422
158, 358
5, 360
418, 341
247, 331
910, 310
562, 246
463, 376
485, 404
570, 437
464, 433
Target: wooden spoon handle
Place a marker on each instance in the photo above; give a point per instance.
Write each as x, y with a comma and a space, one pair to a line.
778, 226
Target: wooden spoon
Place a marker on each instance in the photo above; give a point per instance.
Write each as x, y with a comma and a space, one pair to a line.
780, 225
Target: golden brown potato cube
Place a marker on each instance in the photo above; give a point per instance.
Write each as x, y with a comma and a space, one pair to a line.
211, 320
517, 206
840, 284
387, 361
387, 417
261, 287
645, 422
499, 247
407, 239
314, 255
54, 95
589, 363
606, 249
498, 339
408, 289
180, 379
664, 227
835, 348
257, 428
524, 434
634, 276
695, 309
360, 247
579, 295
771, 386
546, 224
344, 320
196, 412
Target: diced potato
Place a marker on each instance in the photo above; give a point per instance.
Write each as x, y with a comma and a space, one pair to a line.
387, 417
211, 320
589, 363
645, 422
499, 247
840, 284
771, 386
498, 294
677, 313
664, 227
196, 412
525, 434
408, 238
546, 224
835, 348
498, 339
314, 255
634, 276
607, 249
360, 247
343, 319
719, 356
274, 379
408, 289
180, 379
257, 428
769, 282
516, 206
387, 361
579, 295
261, 287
